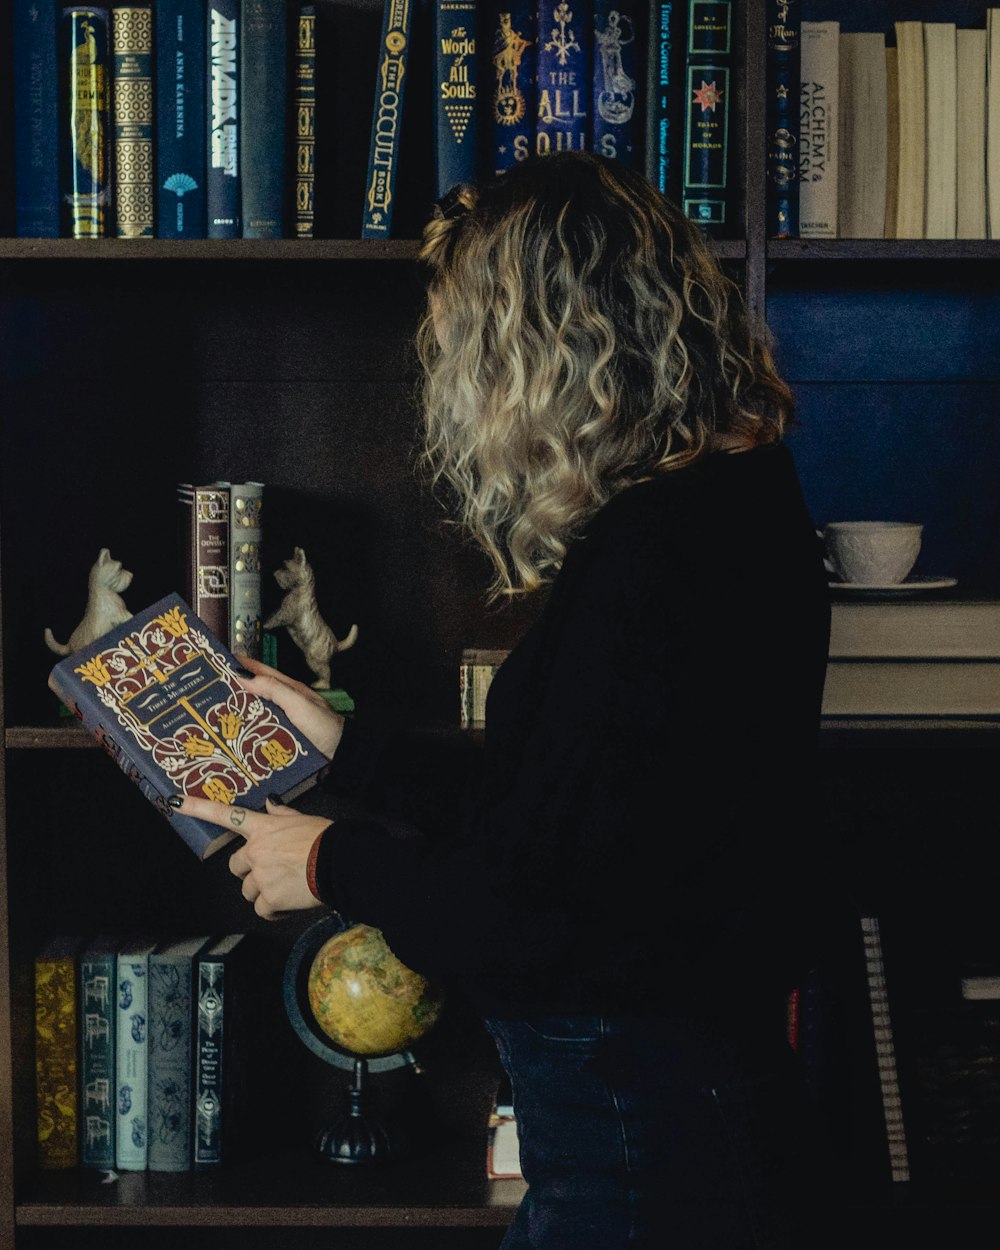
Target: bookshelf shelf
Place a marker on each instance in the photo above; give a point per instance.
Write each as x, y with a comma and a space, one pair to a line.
883, 249
48, 737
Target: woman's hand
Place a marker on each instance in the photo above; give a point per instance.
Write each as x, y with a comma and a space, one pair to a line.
272, 861
308, 711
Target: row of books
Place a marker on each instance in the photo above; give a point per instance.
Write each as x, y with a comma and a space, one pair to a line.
198, 118
917, 657
139, 1057
893, 140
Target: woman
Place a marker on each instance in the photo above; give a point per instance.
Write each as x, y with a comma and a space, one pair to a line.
620, 880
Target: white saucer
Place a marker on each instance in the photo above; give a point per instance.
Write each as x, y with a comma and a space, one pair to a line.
911, 586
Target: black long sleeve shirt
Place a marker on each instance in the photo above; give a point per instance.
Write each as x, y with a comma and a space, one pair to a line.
639, 830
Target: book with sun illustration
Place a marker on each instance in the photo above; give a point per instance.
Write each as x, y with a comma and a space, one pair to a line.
160, 694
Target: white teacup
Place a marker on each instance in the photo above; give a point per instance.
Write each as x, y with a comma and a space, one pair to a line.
871, 553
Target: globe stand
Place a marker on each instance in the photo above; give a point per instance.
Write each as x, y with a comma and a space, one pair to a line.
358, 1136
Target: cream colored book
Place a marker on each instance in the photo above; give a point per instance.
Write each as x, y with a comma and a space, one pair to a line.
863, 136
970, 111
993, 122
891, 142
820, 75
940, 85
912, 688
912, 180
952, 629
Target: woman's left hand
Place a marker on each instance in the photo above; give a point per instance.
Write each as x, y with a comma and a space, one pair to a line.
272, 861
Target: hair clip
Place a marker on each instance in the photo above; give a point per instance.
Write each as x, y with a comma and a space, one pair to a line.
450, 204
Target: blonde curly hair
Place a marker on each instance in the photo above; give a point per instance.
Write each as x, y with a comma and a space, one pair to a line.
579, 337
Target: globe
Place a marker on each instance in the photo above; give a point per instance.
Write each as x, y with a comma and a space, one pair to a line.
357, 1007
364, 999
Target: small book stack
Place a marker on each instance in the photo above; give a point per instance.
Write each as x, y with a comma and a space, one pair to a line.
918, 658
475, 673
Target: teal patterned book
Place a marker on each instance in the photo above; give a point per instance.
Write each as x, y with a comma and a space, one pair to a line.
171, 1031
96, 991
707, 195
131, 1034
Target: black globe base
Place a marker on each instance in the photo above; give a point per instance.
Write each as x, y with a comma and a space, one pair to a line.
359, 1137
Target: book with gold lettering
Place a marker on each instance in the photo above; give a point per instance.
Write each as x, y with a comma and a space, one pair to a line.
456, 87
304, 112
387, 119
224, 103
563, 121
133, 111
161, 695
85, 116
513, 87
708, 196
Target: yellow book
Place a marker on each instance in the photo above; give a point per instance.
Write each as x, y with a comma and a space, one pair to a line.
940, 85
863, 136
891, 142
970, 192
55, 1053
993, 122
912, 180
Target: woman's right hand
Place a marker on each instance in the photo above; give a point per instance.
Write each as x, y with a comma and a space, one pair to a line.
308, 711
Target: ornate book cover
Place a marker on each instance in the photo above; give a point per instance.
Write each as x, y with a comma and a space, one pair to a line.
36, 121
160, 694
616, 131
219, 971
96, 990
131, 1030
784, 85
514, 84
263, 74
666, 42
456, 109
171, 1025
204, 550
387, 119
56, 1052
246, 501
132, 108
181, 125
707, 196
564, 76
85, 143
304, 86
224, 104
819, 130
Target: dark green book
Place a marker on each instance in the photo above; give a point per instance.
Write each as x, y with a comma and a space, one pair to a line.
707, 195
263, 75
133, 110
96, 997
219, 1046
85, 122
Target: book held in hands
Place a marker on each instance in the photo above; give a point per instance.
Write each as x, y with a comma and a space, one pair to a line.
161, 695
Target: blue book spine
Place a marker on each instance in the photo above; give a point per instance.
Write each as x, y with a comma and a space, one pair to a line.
707, 194
515, 82
665, 96
224, 106
85, 129
456, 87
131, 1137
264, 75
171, 1084
304, 79
96, 994
181, 136
564, 82
784, 55
36, 121
387, 119
616, 80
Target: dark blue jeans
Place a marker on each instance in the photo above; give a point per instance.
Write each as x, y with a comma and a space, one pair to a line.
652, 1133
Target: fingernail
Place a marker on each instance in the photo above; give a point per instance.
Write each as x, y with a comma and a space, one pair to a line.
275, 798
175, 800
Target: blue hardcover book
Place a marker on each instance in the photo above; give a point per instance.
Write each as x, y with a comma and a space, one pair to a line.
666, 47
131, 1037
85, 122
564, 76
707, 196
264, 77
161, 695
387, 119
219, 1083
515, 82
36, 121
171, 1040
181, 127
304, 110
96, 992
616, 80
456, 86
784, 86
224, 105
